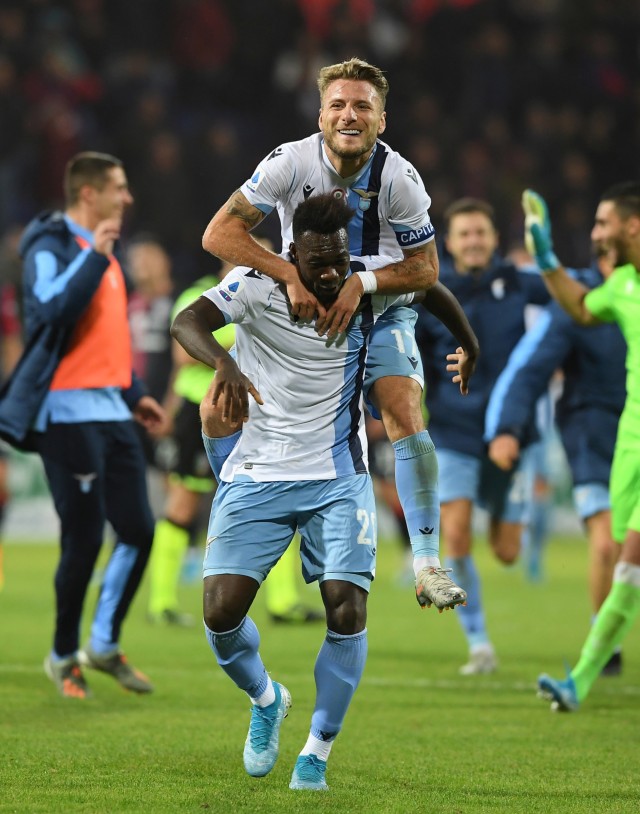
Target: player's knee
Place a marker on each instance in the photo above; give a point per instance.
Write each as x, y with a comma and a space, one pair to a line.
346, 609
218, 617
508, 552
213, 424
225, 603
399, 402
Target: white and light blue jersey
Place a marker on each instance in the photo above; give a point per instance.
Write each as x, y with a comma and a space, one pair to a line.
311, 425
388, 195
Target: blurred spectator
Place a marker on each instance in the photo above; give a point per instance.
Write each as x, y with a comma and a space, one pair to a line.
489, 97
149, 310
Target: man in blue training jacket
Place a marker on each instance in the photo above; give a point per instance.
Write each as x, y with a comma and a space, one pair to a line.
72, 398
493, 293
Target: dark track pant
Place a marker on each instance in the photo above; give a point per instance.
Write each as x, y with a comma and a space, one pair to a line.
96, 473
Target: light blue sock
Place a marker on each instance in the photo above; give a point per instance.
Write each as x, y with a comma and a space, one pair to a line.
535, 537
471, 616
218, 450
337, 673
417, 485
237, 653
114, 582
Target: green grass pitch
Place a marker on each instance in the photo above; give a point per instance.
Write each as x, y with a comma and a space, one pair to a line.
418, 737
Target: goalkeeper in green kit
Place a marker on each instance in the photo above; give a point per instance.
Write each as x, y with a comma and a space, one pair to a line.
617, 227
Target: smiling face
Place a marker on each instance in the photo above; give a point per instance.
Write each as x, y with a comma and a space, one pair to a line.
613, 233
323, 262
351, 119
471, 240
110, 199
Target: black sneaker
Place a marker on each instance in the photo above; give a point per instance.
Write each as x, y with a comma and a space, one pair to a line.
116, 665
298, 614
171, 618
67, 676
614, 666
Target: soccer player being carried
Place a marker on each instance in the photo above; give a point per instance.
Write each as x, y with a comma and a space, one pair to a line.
298, 462
391, 219
617, 227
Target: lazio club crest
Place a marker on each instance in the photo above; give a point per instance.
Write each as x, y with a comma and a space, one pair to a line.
365, 198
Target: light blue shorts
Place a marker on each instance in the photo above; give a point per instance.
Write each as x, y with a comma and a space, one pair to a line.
504, 495
591, 498
392, 351
252, 524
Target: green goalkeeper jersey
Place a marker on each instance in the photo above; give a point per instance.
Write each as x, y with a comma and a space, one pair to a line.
618, 300
192, 381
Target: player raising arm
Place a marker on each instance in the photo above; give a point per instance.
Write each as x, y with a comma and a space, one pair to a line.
617, 227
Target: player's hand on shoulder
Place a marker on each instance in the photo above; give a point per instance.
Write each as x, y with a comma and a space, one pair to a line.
338, 316
504, 451
463, 365
105, 235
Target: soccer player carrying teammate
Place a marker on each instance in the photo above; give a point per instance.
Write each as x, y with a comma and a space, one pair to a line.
617, 227
298, 463
391, 219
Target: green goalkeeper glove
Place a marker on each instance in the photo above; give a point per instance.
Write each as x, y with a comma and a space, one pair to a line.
537, 231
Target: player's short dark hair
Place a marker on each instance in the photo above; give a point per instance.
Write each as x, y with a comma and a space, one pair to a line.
323, 214
468, 206
86, 169
625, 196
356, 69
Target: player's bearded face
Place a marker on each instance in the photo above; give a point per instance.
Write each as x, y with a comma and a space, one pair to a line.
351, 118
609, 232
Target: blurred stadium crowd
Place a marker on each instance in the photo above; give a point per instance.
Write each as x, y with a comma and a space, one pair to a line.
487, 97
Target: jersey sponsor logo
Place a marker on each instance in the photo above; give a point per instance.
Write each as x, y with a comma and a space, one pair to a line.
365, 198
232, 290
307, 190
254, 273
413, 236
277, 152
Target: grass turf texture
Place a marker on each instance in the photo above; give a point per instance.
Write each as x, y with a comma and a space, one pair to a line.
418, 737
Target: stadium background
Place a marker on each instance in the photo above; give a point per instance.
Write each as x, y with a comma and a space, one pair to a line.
487, 97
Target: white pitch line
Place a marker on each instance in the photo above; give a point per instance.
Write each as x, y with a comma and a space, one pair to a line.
479, 683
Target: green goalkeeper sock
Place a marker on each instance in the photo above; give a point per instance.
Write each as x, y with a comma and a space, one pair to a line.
281, 588
169, 545
612, 624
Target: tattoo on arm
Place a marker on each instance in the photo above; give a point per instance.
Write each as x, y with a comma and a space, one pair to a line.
239, 207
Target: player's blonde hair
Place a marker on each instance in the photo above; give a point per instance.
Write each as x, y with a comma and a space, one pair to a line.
356, 69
